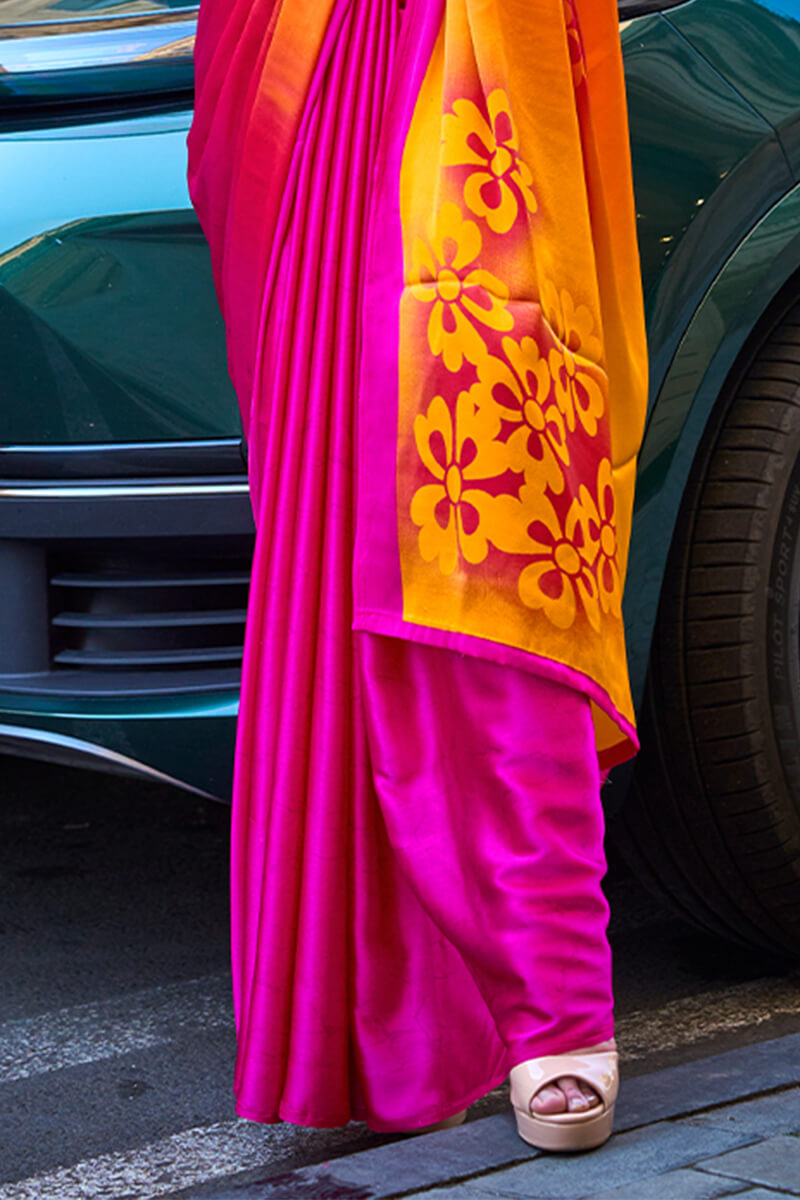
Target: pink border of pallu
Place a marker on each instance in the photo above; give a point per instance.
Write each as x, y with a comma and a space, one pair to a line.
377, 581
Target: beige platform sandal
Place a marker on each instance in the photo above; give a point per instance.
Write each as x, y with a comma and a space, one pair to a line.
566, 1131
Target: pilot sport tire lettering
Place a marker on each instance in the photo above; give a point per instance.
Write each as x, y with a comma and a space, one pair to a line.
713, 818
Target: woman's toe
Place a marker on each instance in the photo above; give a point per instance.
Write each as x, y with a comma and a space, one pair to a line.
549, 1100
579, 1097
565, 1095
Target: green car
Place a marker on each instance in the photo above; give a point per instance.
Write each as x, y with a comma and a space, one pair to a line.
125, 527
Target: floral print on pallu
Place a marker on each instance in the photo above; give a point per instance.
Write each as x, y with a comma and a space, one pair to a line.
463, 296
456, 517
520, 388
574, 358
510, 453
560, 577
576, 564
572, 324
502, 182
579, 395
600, 528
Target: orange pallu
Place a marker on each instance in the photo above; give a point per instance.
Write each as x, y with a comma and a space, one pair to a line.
500, 358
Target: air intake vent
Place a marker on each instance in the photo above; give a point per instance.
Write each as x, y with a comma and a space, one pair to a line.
147, 612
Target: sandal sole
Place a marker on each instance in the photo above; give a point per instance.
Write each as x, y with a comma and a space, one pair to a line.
565, 1133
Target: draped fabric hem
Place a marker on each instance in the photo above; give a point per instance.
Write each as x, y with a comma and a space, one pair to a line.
418, 1120
390, 625
535, 1048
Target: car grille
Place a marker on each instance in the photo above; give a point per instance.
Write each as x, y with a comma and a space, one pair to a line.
146, 611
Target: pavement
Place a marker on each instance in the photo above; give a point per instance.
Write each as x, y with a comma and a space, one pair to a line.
116, 1030
727, 1125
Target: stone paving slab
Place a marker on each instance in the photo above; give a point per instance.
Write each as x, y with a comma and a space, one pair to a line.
674, 1185
774, 1162
443, 1160
707, 1082
459, 1191
435, 1158
400, 1166
759, 1194
766, 1115
627, 1159
683, 1184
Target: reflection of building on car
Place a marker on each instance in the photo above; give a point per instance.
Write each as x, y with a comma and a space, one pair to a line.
125, 527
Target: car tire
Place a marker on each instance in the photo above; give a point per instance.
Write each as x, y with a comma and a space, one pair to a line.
712, 820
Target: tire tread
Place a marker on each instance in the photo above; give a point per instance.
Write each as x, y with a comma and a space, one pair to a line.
706, 824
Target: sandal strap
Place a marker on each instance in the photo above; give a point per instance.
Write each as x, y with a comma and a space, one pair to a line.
598, 1069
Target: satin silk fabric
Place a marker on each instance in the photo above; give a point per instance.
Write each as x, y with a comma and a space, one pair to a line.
298, 745
406, 948
498, 520
354, 996
489, 789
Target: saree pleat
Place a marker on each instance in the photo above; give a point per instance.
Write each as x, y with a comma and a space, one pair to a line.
330, 720
301, 755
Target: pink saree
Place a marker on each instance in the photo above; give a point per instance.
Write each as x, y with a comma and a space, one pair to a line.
422, 236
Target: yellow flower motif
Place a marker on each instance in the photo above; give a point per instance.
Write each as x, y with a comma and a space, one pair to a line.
575, 43
577, 392
468, 139
521, 390
561, 576
455, 518
599, 522
459, 300
572, 324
